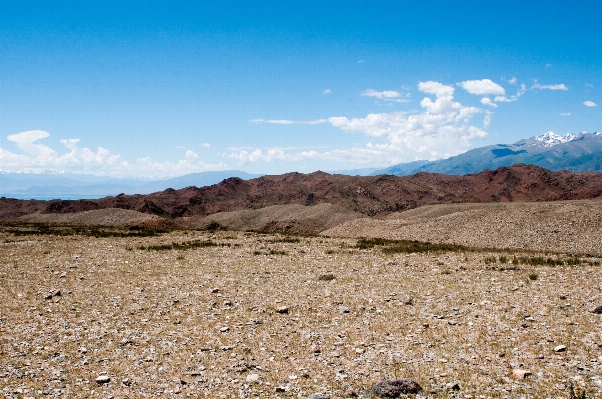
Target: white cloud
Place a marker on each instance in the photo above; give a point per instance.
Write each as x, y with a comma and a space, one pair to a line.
205, 145
487, 101
482, 87
504, 99
37, 157
289, 122
512, 81
565, 114
326, 91
442, 130
386, 95
590, 104
560, 86
26, 141
487, 119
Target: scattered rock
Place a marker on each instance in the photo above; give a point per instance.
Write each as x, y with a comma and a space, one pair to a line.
126, 382
252, 378
282, 309
327, 277
215, 290
318, 396
452, 322
597, 310
521, 374
224, 329
560, 348
343, 309
453, 386
394, 388
53, 294
102, 379
280, 389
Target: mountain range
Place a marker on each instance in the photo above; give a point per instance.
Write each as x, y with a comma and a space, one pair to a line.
573, 152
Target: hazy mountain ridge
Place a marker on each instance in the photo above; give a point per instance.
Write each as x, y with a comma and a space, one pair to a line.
573, 152
368, 195
69, 184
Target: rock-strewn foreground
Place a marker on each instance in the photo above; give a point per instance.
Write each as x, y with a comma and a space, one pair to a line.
98, 317
370, 196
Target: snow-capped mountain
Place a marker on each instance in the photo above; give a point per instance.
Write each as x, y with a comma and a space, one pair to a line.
574, 152
550, 139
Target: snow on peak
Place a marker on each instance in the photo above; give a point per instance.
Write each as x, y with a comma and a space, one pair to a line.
550, 139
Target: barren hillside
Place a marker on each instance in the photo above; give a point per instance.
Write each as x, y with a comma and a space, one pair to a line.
371, 196
568, 226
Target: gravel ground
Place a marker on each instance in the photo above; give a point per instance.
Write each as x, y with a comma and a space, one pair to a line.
236, 322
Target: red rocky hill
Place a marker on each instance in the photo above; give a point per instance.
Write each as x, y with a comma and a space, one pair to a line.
369, 195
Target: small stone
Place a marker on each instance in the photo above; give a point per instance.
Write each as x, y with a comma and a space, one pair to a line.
280, 389
252, 378
102, 379
521, 374
282, 309
452, 322
597, 310
224, 329
318, 396
453, 386
327, 277
343, 309
443, 360
126, 382
394, 388
560, 348
53, 294
215, 290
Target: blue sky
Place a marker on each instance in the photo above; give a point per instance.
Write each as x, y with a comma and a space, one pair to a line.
158, 89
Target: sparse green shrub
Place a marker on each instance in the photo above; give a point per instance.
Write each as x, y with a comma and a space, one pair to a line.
183, 245
503, 259
490, 259
533, 276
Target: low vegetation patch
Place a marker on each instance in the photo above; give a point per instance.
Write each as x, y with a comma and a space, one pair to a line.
408, 246
183, 246
38, 229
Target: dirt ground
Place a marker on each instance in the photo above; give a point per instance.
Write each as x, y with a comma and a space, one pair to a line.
242, 315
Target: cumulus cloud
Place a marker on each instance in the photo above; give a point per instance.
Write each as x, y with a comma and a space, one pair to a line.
26, 141
487, 101
443, 129
560, 86
37, 157
326, 91
512, 81
482, 87
289, 122
590, 104
205, 145
386, 95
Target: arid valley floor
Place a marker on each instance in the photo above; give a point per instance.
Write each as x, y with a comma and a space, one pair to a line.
242, 314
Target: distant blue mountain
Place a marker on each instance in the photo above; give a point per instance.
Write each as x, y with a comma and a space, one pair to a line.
573, 152
47, 185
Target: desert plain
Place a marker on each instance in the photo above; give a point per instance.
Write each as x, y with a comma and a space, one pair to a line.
114, 312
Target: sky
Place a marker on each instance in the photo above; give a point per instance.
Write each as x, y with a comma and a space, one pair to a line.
156, 89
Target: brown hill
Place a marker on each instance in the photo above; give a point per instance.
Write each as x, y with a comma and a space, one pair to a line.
371, 196
282, 218
565, 226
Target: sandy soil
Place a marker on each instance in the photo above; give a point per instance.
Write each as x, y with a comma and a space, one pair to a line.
567, 226
232, 321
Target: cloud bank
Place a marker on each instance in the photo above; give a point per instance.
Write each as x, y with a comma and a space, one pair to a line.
444, 128
37, 157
